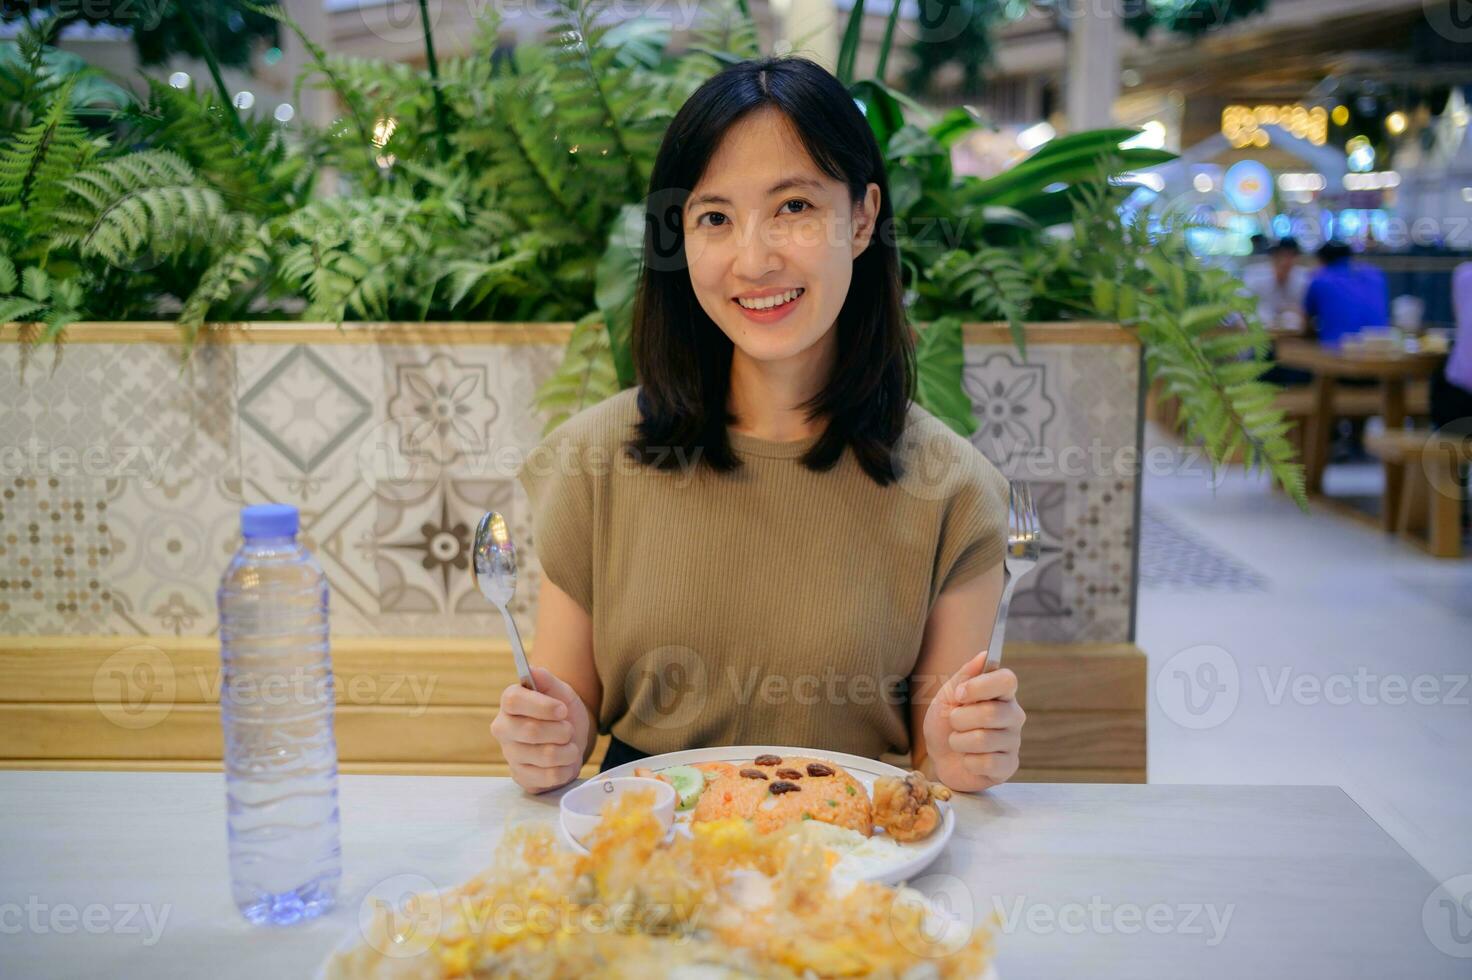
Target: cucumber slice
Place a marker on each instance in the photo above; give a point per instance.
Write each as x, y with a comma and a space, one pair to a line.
688, 782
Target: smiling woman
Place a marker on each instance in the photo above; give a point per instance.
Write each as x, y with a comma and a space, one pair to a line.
774, 268
789, 550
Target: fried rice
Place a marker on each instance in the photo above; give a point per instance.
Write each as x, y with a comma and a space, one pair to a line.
775, 794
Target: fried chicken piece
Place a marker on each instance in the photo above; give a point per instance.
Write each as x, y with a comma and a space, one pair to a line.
905, 808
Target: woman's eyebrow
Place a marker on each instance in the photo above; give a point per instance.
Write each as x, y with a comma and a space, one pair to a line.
785, 184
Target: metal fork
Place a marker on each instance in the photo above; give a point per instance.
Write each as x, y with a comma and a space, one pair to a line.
1024, 545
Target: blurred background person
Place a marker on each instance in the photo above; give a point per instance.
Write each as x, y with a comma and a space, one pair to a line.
1259, 255
1280, 285
1451, 389
1345, 296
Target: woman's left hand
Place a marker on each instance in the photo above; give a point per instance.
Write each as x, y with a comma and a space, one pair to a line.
973, 728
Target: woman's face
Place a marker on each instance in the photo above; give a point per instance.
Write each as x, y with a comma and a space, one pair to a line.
770, 240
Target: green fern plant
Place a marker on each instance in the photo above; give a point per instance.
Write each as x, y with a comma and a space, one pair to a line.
228, 286
117, 208
262, 174
32, 72
607, 110
35, 164
496, 178
989, 284
32, 295
940, 361
177, 221
1200, 334
585, 377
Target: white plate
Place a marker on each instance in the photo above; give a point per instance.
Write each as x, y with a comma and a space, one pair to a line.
915, 857
918, 855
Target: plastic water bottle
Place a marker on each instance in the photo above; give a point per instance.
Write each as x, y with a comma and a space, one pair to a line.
276, 708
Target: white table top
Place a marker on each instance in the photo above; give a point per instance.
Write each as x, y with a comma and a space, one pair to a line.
114, 875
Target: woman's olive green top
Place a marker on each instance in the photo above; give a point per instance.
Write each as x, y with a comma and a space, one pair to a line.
771, 605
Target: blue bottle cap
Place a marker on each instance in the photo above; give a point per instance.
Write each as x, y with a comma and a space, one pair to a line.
269, 521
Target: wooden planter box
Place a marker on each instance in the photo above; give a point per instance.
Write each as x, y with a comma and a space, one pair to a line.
123, 470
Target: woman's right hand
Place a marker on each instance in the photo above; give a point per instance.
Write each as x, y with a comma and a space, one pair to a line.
543, 733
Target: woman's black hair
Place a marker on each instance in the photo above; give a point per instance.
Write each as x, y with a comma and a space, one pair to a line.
683, 360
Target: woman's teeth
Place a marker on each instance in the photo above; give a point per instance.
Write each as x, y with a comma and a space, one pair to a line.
767, 302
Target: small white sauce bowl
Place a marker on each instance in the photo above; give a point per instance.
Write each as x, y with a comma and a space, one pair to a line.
582, 806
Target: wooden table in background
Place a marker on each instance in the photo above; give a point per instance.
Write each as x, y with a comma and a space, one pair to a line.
1329, 365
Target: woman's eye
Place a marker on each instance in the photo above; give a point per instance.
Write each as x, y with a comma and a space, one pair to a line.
797, 204
713, 215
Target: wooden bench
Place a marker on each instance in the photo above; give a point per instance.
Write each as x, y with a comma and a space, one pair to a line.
1296, 403
425, 705
1427, 504
1350, 402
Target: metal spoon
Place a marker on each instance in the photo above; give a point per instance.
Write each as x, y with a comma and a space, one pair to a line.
493, 563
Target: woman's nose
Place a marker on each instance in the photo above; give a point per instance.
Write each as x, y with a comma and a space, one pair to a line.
757, 253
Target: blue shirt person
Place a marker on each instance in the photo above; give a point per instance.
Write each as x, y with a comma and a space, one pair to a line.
1345, 296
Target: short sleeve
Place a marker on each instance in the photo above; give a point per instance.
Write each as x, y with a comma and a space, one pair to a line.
974, 528
1311, 298
561, 497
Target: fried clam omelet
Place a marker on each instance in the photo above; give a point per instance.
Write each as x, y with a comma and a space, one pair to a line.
773, 791
726, 902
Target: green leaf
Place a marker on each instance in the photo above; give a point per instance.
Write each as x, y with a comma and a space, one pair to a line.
912, 141
905, 189
955, 125
56, 323
1128, 308
849, 47
1028, 179
639, 42
985, 284
882, 108
585, 377
1088, 141
14, 309
887, 42
617, 283
35, 284
940, 360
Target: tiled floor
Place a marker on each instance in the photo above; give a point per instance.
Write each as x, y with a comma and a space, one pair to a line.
1304, 648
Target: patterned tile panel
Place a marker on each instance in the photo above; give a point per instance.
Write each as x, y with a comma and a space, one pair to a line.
1065, 421
457, 423
423, 534
170, 548
393, 452
118, 496
303, 409
56, 549
306, 415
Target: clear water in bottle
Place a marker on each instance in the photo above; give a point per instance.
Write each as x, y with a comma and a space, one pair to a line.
276, 701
